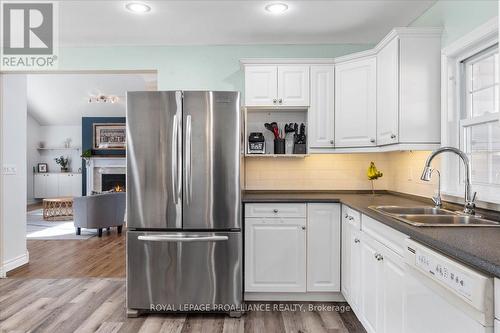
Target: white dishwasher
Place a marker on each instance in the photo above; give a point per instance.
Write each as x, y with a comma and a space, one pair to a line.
443, 295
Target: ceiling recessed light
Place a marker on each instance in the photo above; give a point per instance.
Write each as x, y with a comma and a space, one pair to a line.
277, 8
137, 7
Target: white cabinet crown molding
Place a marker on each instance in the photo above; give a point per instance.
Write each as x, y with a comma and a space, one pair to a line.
286, 61
394, 33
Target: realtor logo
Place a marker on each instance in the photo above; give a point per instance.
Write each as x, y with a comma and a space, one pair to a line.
28, 35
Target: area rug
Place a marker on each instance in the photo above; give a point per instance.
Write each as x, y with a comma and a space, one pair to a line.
38, 228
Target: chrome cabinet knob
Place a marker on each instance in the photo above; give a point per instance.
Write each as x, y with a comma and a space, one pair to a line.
275, 100
379, 257
393, 136
356, 240
303, 228
346, 216
275, 210
280, 100
331, 142
372, 140
351, 218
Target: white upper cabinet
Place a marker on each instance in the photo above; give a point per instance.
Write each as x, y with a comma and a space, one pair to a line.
355, 103
277, 85
261, 85
408, 87
420, 88
321, 111
388, 94
293, 85
323, 247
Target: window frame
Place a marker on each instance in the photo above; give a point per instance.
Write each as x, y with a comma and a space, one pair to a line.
467, 120
453, 101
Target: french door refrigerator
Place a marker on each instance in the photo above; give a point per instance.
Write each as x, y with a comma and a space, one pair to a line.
184, 242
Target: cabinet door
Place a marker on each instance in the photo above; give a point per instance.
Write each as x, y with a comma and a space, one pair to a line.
355, 267
346, 255
293, 85
371, 269
64, 185
388, 93
321, 112
76, 185
261, 85
323, 247
52, 187
40, 184
275, 255
392, 296
355, 103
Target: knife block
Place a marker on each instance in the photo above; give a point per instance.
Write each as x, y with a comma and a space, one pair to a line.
279, 146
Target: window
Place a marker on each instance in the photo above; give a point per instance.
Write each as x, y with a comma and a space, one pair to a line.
470, 118
479, 121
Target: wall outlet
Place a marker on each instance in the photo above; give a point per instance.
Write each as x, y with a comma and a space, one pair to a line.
9, 169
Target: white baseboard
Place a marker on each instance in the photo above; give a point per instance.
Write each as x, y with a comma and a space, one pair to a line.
13, 263
299, 297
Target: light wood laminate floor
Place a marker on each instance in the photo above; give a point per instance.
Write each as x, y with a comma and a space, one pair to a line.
79, 286
95, 257
98, 305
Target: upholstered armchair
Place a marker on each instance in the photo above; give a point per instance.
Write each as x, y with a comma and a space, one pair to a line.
99, 211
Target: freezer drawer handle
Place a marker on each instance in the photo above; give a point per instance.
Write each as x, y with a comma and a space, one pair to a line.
174, 238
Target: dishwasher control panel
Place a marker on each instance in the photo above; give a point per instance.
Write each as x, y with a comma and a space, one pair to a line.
468, 284
454, 277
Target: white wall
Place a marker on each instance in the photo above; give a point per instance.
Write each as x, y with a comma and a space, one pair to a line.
33, 156
14, 108
55, 136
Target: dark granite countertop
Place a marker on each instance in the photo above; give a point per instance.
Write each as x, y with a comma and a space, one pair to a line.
477, 247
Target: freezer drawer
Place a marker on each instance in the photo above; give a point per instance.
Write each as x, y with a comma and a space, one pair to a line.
170, 270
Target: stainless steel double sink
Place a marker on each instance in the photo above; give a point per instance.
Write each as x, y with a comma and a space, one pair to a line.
428, 216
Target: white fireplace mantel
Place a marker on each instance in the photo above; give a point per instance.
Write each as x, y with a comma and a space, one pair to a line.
98, 163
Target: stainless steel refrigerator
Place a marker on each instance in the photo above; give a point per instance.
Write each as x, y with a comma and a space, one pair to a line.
184, 242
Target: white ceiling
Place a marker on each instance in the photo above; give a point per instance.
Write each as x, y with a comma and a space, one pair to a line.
92, 23
62, 99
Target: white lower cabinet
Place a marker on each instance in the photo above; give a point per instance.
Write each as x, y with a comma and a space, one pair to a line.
323, 244
51, 185
292, 254
351, 254
275, 254
393, 293
371, 282
373, 276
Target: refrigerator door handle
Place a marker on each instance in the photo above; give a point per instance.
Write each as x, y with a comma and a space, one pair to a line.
175, 178
181, 238
188, 160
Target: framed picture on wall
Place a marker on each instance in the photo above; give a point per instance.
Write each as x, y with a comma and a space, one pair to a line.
42, 168
110, 136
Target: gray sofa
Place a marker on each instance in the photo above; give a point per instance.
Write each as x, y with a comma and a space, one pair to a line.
99, 211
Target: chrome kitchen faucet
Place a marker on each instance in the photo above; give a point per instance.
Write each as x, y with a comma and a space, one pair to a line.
469, 206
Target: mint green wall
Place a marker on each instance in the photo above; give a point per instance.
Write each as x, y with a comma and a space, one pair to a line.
458, 17
193, 67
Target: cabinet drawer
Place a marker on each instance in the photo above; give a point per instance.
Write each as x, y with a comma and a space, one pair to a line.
351, 216
389, 237
275, 210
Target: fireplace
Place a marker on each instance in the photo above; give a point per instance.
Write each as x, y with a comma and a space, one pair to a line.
113, 182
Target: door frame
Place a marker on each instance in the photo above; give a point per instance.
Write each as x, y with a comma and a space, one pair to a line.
3, 273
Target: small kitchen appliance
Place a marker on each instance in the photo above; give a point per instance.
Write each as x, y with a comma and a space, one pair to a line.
256, 143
